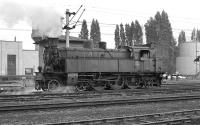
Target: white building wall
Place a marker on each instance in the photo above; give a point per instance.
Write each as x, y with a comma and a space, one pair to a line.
30, 60
24, 58
10, 48
185, 62
1, 59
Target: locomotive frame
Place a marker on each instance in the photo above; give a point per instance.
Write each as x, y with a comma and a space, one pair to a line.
93, 68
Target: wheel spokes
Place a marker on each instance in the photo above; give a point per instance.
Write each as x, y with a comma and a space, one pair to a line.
53, 84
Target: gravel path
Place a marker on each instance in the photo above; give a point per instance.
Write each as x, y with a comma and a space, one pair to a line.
66, 115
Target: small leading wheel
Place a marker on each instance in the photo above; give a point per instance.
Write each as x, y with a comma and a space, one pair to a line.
53, 84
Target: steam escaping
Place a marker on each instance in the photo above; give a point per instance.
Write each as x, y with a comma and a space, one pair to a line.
46, 21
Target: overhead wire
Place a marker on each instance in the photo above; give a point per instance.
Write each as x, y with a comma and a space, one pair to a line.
74, 15
100, 9
137, 13
80, 25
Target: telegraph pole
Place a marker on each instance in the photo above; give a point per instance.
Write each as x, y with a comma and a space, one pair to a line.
67, 30
196, 53
197, 57
196, 49
68, 14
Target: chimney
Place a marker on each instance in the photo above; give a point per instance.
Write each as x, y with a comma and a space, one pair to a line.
67, 30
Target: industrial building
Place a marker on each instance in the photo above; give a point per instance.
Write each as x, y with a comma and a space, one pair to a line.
16, 61
185, 61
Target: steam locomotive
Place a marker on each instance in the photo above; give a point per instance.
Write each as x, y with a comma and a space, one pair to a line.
93, 68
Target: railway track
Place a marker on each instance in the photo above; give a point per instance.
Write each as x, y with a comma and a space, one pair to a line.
35, 97
93, 94
65, 105
189, 117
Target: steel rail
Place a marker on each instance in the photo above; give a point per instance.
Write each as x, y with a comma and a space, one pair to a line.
66, 105
102, 92
187, 116
181, 121
48, 96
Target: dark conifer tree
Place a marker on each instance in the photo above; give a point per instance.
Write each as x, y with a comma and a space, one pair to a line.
138, 34
181, 37
132, 30
95, 33
92, 30
128, 34
194, 34
122, 35
198, 35
159, 32
166, 29
158, 26
84, 31
117, 37
98, 32
151, 32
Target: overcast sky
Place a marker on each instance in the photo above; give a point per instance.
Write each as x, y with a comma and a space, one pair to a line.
183, 15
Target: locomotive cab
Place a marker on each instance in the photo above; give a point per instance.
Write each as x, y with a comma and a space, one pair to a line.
144, 54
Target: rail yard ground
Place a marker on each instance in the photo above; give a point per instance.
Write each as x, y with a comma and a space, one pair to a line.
67, 115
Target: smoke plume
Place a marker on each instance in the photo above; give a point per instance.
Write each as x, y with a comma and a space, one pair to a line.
45, 20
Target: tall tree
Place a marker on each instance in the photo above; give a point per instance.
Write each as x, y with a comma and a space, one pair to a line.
198, 35
193, 35
95, 33
159, 32
168, 42
117, 37
132, 30
84, 31
158, 27
153, 29
181, 37
98, 32
92, 30
128, 34
138, 33
166, 29
150, 31
122, 35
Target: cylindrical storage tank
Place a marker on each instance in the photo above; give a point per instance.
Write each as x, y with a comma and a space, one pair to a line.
186, 65
185, 61
102, 45
188, 49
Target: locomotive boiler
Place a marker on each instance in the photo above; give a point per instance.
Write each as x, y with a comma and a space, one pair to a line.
94, 68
